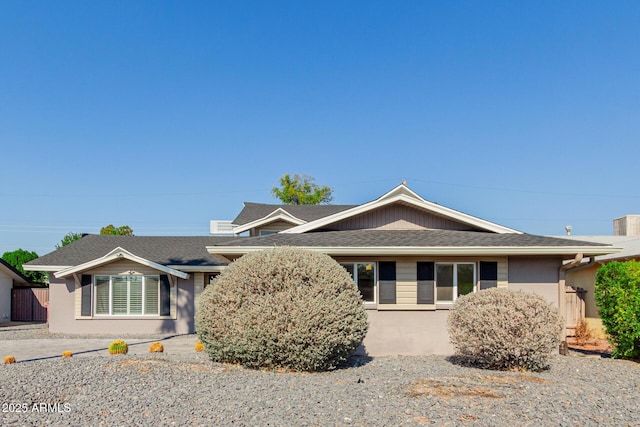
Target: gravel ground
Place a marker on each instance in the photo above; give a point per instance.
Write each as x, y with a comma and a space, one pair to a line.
190, 390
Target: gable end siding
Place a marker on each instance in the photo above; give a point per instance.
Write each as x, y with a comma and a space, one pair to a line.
398, 217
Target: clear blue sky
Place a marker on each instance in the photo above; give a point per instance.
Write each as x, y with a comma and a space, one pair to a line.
164, 115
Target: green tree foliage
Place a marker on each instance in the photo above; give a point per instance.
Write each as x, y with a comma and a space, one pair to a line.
110, 230
282, 308
18, 257
618, 297
301, 190
68, 238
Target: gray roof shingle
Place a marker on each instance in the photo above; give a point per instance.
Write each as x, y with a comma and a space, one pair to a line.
254, 211
405, 238
165, 250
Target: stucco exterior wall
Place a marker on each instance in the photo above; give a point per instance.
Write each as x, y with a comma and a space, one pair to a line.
538, 275
62, 318
407, 333
6, 283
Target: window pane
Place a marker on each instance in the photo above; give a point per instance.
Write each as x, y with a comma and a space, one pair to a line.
349, 268
444, 282
465, 279
135, 295
151, 286
119, 295
102, 295
366, 282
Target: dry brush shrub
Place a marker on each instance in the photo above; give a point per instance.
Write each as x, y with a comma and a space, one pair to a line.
8, 360
502, 329
583, 334
66, 354
282, 308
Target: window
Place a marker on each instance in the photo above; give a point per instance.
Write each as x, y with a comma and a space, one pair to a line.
127, 295
267, 232
364, 274
454, 280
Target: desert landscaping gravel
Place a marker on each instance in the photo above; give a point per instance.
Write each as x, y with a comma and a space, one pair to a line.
188, 389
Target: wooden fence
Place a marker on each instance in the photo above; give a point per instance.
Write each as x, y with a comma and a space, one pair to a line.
575, 308
29, 304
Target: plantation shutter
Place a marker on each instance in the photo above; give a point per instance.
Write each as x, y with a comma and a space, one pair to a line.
387, 282
426, 282
165, 295
85, 286
488, 274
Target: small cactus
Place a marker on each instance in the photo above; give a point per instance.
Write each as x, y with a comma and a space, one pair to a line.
156, 347
199, 346
9, 360
66, 354
118, 347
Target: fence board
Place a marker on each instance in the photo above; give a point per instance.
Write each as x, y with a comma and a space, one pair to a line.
28, 304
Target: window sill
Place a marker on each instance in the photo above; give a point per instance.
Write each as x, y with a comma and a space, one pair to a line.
406, 307
100, 317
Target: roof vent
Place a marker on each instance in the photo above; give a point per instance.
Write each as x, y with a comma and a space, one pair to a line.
221, 227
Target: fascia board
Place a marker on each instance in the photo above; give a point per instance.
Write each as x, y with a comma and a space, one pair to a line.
429, 250
278, 214
115, 255
414, 200
198, 268
35, 267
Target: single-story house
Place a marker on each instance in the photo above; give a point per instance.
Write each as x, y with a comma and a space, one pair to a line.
583, 275
410, 258
9, 277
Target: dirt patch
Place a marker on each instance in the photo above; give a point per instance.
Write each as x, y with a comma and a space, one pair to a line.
487, 386
600, 347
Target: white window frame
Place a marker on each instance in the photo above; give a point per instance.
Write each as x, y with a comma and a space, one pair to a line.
355, 264
455, 280
110, 297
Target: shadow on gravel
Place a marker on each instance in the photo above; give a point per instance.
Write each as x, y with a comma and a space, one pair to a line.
355, 362
469, 362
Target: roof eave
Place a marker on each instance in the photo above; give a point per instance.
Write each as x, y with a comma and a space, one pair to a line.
115, 255
429, 250
277, 215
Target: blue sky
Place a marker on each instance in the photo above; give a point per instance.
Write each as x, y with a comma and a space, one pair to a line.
164, 115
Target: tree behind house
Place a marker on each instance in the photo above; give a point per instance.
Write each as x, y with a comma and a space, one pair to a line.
123, 230
18, 257
68, 238
301, 190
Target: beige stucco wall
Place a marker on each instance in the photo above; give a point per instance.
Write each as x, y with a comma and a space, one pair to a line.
538, 275
407, 333
6, 283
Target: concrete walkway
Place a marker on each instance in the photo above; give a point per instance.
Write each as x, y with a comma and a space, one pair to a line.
30, 349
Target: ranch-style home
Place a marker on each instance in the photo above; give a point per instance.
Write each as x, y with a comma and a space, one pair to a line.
410, 258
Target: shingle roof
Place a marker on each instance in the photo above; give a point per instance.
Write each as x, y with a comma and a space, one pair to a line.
254, 211
165, 250
405, 238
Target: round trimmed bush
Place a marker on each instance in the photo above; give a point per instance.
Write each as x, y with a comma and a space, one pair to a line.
502, 329
282, 308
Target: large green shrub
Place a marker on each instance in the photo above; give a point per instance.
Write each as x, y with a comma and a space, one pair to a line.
502, 329
282, 308
618, 297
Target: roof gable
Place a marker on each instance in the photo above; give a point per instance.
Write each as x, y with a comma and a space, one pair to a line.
277, 215
403, 195
116, 255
